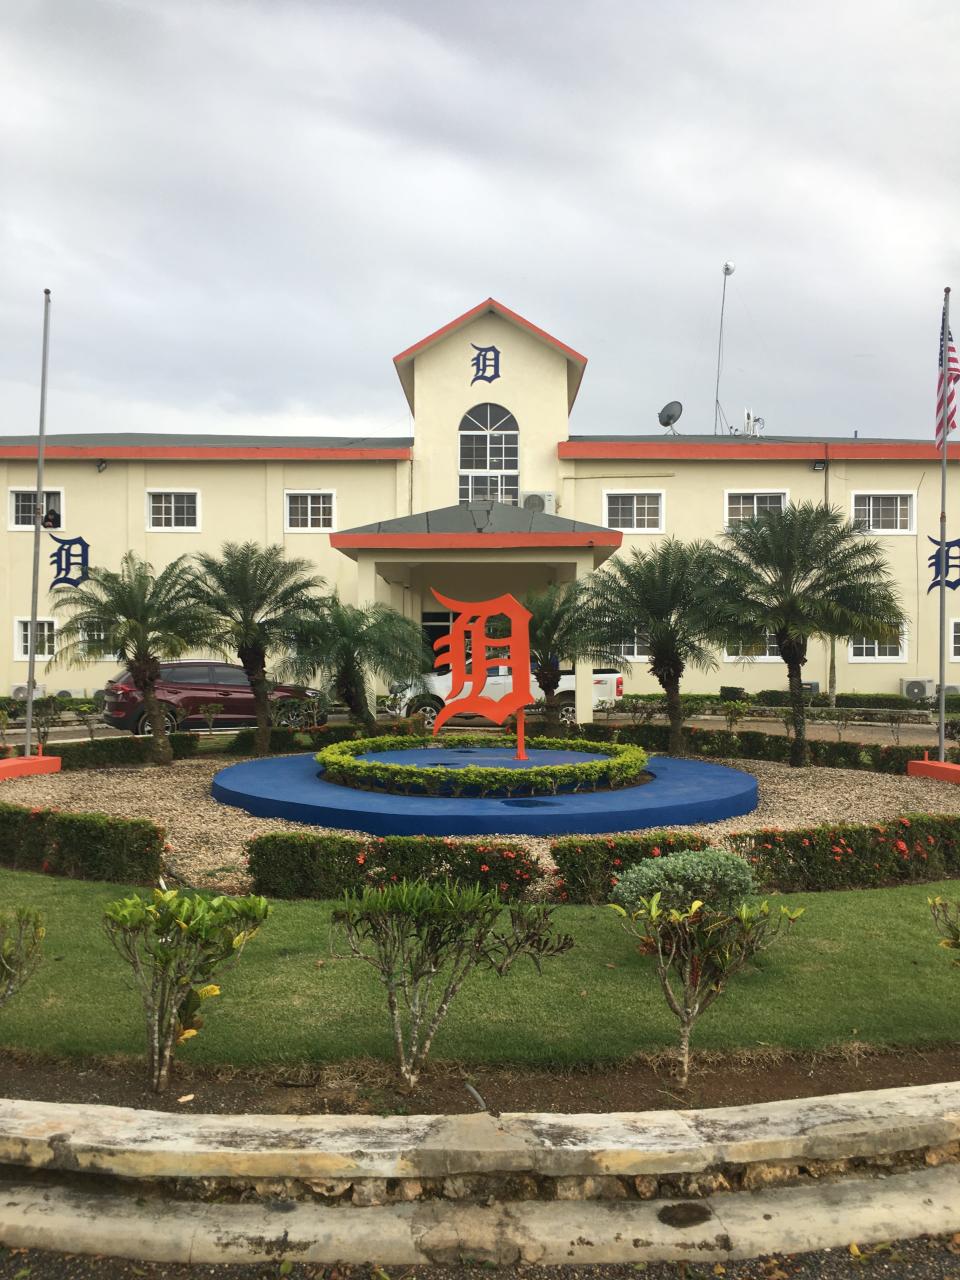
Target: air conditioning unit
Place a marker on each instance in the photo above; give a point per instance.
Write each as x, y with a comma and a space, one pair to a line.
951, 690
918, 689
19, 691
539, 500
811, 686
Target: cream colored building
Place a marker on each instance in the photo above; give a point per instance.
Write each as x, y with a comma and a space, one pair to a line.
489, 493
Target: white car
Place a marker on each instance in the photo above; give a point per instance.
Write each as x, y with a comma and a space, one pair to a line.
426, 702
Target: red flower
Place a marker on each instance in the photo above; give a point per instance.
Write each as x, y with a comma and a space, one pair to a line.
805, 842
901, 846
836, 857
361, 859
904, 822
484, 867
618, 862
655, 851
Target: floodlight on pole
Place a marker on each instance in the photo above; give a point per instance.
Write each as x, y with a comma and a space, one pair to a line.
728, 270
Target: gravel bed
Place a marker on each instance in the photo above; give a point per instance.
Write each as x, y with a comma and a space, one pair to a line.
207, 838
928, 1258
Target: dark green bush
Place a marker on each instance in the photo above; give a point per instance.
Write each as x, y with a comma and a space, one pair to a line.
616, 765
720, 879
294, 865
914, 847
587, 867
83, 846
106, 753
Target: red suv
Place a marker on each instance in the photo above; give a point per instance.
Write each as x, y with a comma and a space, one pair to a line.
184, 687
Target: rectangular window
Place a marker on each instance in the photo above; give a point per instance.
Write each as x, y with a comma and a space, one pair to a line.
92, 645
955, 639
747, 506
884, 512
309, 509
23, 505
765, 652
490, 488
634, 512
173, 510
46, 639
890, 649
635, 650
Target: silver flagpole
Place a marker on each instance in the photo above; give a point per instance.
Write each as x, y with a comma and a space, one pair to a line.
945, 373
37, 529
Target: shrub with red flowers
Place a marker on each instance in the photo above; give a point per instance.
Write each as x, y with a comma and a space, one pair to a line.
288, 864
84, 846
588, 867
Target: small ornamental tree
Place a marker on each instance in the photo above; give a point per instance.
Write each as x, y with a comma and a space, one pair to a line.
424, 940
176, 944
210, 711
697, 950
946, 919
21, 945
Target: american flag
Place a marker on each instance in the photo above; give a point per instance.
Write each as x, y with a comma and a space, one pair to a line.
950, 389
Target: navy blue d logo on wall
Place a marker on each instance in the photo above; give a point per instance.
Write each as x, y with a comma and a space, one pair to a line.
486, 364
71, 561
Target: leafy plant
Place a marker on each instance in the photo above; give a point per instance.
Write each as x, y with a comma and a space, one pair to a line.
716, 877
697, 950
946, 920
733, 712
21, 945
47, 714
641, 710
139, 617
897, 720
802, 573
89, 717
664, 594
256, 598
425, 940
176, 944
209, 711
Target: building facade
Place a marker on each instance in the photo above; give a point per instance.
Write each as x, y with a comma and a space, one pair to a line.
489, 493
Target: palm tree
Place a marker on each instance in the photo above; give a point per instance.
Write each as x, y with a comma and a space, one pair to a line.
256, 597
140, 618
345, 643
805, 573
561, 631
663, 595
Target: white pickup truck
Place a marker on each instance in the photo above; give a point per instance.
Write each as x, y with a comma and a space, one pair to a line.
607, 687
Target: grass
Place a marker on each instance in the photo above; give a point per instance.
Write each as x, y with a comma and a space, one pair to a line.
860, 966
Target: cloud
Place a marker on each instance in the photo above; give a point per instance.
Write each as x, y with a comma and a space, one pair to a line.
245, 209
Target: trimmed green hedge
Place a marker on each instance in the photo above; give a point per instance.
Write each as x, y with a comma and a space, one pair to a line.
834, 856
293, 865
622, 765
83, 846
105, 753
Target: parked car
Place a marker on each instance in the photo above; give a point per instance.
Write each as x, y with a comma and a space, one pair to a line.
607, 688
184, 687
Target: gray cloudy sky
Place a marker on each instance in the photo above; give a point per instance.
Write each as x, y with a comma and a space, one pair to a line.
245, 209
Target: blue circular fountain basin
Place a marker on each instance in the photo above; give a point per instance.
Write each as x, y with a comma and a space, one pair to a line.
683, 792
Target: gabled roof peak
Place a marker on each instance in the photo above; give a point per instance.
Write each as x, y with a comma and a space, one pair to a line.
576, 363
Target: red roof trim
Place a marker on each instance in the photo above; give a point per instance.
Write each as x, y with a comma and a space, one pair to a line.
207, 453
764, 452
488, 541
490, 304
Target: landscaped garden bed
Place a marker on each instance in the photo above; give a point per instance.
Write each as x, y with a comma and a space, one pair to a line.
307, 1019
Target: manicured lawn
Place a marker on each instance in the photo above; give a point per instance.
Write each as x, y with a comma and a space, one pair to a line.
860, 966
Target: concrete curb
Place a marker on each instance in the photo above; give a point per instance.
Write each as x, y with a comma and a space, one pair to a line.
153, 1144
710, 1230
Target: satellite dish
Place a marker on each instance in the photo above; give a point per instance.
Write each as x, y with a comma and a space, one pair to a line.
670, 413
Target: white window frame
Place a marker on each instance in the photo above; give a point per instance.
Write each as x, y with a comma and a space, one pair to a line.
750, 659
18, 651
105, 657
636, 657
633, 493
887, 493
784, 493
952, 655
309, 493
28, 528
157, 528
904, 655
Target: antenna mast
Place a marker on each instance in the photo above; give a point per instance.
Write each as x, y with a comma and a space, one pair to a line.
728, 270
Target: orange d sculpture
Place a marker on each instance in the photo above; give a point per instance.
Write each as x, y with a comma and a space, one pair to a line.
472, 653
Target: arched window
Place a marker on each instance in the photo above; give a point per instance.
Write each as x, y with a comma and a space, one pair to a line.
489, 455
